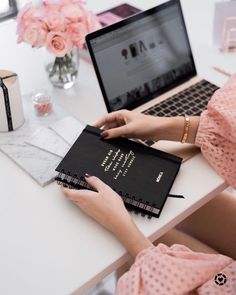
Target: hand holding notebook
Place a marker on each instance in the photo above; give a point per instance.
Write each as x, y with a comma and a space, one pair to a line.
107, 209
134, 125
142, 176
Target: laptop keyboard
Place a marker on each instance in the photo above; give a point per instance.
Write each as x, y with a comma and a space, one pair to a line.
191, 101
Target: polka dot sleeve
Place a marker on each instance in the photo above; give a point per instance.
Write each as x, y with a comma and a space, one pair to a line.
216, 134
176, 270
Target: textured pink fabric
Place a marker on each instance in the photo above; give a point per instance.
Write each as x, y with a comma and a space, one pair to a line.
177, 270
216, 134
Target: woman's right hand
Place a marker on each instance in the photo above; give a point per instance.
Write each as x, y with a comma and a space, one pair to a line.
132, 124
107, 208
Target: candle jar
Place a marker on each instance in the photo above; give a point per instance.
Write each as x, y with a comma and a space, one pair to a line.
11, 108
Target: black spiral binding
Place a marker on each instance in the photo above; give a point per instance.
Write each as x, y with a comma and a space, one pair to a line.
131, 202
144, 208
71, 181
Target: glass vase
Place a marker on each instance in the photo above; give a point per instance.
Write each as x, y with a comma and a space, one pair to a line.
63, 71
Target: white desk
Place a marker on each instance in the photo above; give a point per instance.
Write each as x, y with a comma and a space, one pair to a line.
47, 245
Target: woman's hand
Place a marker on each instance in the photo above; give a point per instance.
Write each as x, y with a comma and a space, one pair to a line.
107, 208
104, 205
136, 125
132, 125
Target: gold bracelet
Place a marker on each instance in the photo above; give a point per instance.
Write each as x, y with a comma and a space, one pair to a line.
186, 129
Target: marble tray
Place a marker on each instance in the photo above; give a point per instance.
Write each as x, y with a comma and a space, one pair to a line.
37, 163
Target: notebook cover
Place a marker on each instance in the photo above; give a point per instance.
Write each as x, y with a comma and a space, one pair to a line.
130, 168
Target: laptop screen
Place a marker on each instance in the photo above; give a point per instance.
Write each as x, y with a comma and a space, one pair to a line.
141, 57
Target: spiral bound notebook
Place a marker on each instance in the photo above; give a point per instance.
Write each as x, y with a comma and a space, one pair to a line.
141, 175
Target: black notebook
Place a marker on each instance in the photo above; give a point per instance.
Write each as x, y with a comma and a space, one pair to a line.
141, 175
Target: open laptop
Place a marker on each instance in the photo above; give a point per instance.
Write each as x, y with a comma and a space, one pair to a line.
145, 63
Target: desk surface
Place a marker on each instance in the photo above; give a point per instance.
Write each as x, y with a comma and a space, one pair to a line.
47, 245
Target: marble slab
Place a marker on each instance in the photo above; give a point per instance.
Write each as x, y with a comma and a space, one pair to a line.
38, 163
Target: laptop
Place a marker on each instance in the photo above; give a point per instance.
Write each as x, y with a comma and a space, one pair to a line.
145, 63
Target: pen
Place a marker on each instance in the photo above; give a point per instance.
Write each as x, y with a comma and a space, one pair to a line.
221, 71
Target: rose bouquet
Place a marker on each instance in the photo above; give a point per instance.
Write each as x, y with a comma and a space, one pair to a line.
60, 26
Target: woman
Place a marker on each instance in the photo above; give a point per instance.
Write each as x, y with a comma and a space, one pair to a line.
176, 269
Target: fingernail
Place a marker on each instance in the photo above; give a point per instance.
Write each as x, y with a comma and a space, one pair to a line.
87, 175
104, 134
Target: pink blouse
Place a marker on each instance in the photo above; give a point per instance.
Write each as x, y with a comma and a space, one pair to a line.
177, 270
216, 134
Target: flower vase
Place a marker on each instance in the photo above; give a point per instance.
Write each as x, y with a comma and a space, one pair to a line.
63, 71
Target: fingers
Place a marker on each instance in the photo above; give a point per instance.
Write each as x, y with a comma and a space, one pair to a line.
81, 194
110, 126
102, 121
96, 183
73, 195
111, 118
77, 195
115, 132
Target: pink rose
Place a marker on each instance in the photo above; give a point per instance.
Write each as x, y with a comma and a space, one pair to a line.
52, 4
58, 43
72, 12
27, 12
35, 34
77, 32
26, 16
57, 24
55, 21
